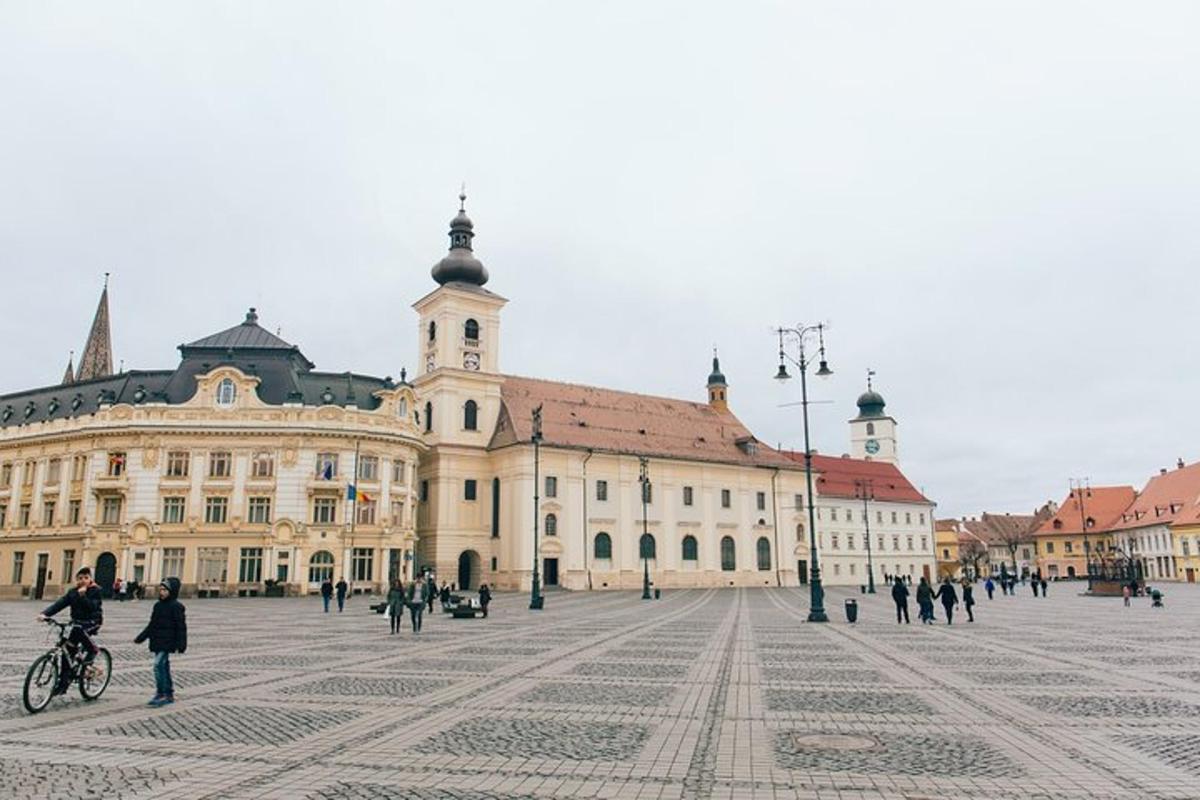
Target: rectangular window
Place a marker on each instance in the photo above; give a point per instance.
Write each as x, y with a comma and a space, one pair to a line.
397, 471
761, 501
364, 512
397, 512
551, 486
78, 467
324, 510
469, 489
28, 472
921, 517
602, 491
368, 468
54, 472
851, 569
116, 465
216, 510
833, 514
687, 496
212, 564
908, 518
866, 541
23, 516
74, 510
219, 464
48, 514
178, 462
172, 562
173, 508
18, 566
798, 502
726, 498
110, 512
837, 569
895, 542
258, 511
1049, 547
327, 466
909, 542
68, 567
262, 465
879, 542
924, 544
1068, 547
849, 541
250, 565
834, 539
893, 517
879, 517
3, 512
425, 491
362, 563
1025, 553
6, 470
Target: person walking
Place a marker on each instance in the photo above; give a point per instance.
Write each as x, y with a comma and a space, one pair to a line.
990, 587
431, 591
418, 593
900, 598
342, 587
1125, 593
485, 597
444, 594
968, 599
925, 601
395, 605
1033, 582
949, 599
1043, 587
167, 632
326, 592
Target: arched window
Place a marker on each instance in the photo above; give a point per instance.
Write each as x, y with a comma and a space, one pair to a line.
226, 392
728, 555
689, 548
471, 416
320, 567
799, 533
602, 549
646, 547
764, 553
551, 525
870, 429
471, 330
428, 417
402, 408
432, 330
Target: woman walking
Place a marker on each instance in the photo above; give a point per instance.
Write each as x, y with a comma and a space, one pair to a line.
949, 599
416, 602
968, 599
925, 601
395, 604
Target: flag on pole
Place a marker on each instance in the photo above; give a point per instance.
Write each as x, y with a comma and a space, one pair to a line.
353, 493
327, 473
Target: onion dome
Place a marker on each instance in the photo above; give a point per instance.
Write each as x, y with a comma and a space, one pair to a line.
870, 404
460, 265
716, 378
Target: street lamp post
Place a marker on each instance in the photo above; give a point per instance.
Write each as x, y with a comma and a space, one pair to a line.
1079, 488
801, 334
536, 601
644, 479
866, 490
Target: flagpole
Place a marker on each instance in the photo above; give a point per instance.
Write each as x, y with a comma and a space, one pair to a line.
354, 505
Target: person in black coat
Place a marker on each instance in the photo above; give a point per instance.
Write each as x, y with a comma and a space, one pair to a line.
968, 599
342, 588
485, 597
949, 599
326, 592
86, 604
167, 632
900, 597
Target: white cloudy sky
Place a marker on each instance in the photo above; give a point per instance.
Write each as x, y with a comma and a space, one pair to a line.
994, 204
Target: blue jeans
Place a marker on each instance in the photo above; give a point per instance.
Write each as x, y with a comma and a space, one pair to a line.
341, 602
326, 598
162, 675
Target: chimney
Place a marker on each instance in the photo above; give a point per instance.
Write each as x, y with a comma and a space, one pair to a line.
1162, 471
1179, 464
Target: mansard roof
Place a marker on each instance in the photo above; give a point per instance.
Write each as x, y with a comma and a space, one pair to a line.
611, 421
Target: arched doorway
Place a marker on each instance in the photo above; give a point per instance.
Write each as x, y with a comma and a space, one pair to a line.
106, 573
468, 570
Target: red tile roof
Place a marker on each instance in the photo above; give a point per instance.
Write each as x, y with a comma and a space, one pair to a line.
606, 420
838, 476
1104, 506
1168, 497
1001, 528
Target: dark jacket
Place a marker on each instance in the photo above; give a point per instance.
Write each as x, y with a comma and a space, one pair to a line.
327, 589
968, 596
924, 593
485, 595
167, 629
341, 588
947, 594
85, 607
899, 592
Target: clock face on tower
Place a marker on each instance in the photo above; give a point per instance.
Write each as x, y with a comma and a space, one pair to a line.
430, 362
872, 446
471, 361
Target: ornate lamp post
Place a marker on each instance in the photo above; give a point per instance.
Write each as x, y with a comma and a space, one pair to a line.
866, 490
535, 589
802, 334
1079, 488
644, 479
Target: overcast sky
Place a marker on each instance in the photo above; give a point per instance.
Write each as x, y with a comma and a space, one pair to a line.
995, 205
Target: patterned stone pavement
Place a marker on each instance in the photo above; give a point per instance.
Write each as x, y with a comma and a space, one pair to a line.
726, 694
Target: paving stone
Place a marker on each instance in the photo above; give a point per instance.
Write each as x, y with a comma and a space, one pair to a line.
846, 702
357, 686
255, 725
598, 694
553, 739
894, 754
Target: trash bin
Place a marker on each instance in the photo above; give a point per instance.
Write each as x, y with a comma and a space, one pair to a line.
851, 610
862, 589
658, 594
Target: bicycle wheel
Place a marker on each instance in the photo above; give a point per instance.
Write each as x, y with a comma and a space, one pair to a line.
94, 678
40, 682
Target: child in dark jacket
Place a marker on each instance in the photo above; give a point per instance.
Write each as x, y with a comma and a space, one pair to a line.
167, 632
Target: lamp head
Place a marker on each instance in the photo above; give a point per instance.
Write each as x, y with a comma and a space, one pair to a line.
823, 371
782, 374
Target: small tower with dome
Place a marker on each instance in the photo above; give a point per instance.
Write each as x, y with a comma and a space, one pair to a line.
718, 389
873, 431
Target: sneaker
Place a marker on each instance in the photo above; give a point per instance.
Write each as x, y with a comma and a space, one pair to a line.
166, 701
155, 701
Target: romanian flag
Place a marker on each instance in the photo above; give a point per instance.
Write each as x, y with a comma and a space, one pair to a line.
353, 494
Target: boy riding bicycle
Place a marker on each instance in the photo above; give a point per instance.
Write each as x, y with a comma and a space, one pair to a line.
84, 601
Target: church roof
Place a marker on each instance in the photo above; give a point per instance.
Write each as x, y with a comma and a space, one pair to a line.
607, 420
838, 477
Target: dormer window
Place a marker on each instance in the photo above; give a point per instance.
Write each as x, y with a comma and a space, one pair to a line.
139, 394
471, 331
402, 408
76, 402
1058, 524
226, 393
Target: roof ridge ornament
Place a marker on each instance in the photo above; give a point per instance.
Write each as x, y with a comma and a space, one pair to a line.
460, 265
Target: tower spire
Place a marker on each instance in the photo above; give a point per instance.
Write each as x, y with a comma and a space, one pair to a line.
69, 375
718, 389
96, 360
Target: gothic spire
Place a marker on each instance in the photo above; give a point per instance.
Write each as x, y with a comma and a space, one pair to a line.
96, 360
69, 375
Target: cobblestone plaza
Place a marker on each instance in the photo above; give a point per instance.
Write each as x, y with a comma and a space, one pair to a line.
725, 693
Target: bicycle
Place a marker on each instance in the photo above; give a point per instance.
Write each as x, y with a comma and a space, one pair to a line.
53, 672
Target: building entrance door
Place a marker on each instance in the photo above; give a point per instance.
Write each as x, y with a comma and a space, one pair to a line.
802, 571
1191, 575
39, 588
550, 571
106, 572
925, 571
